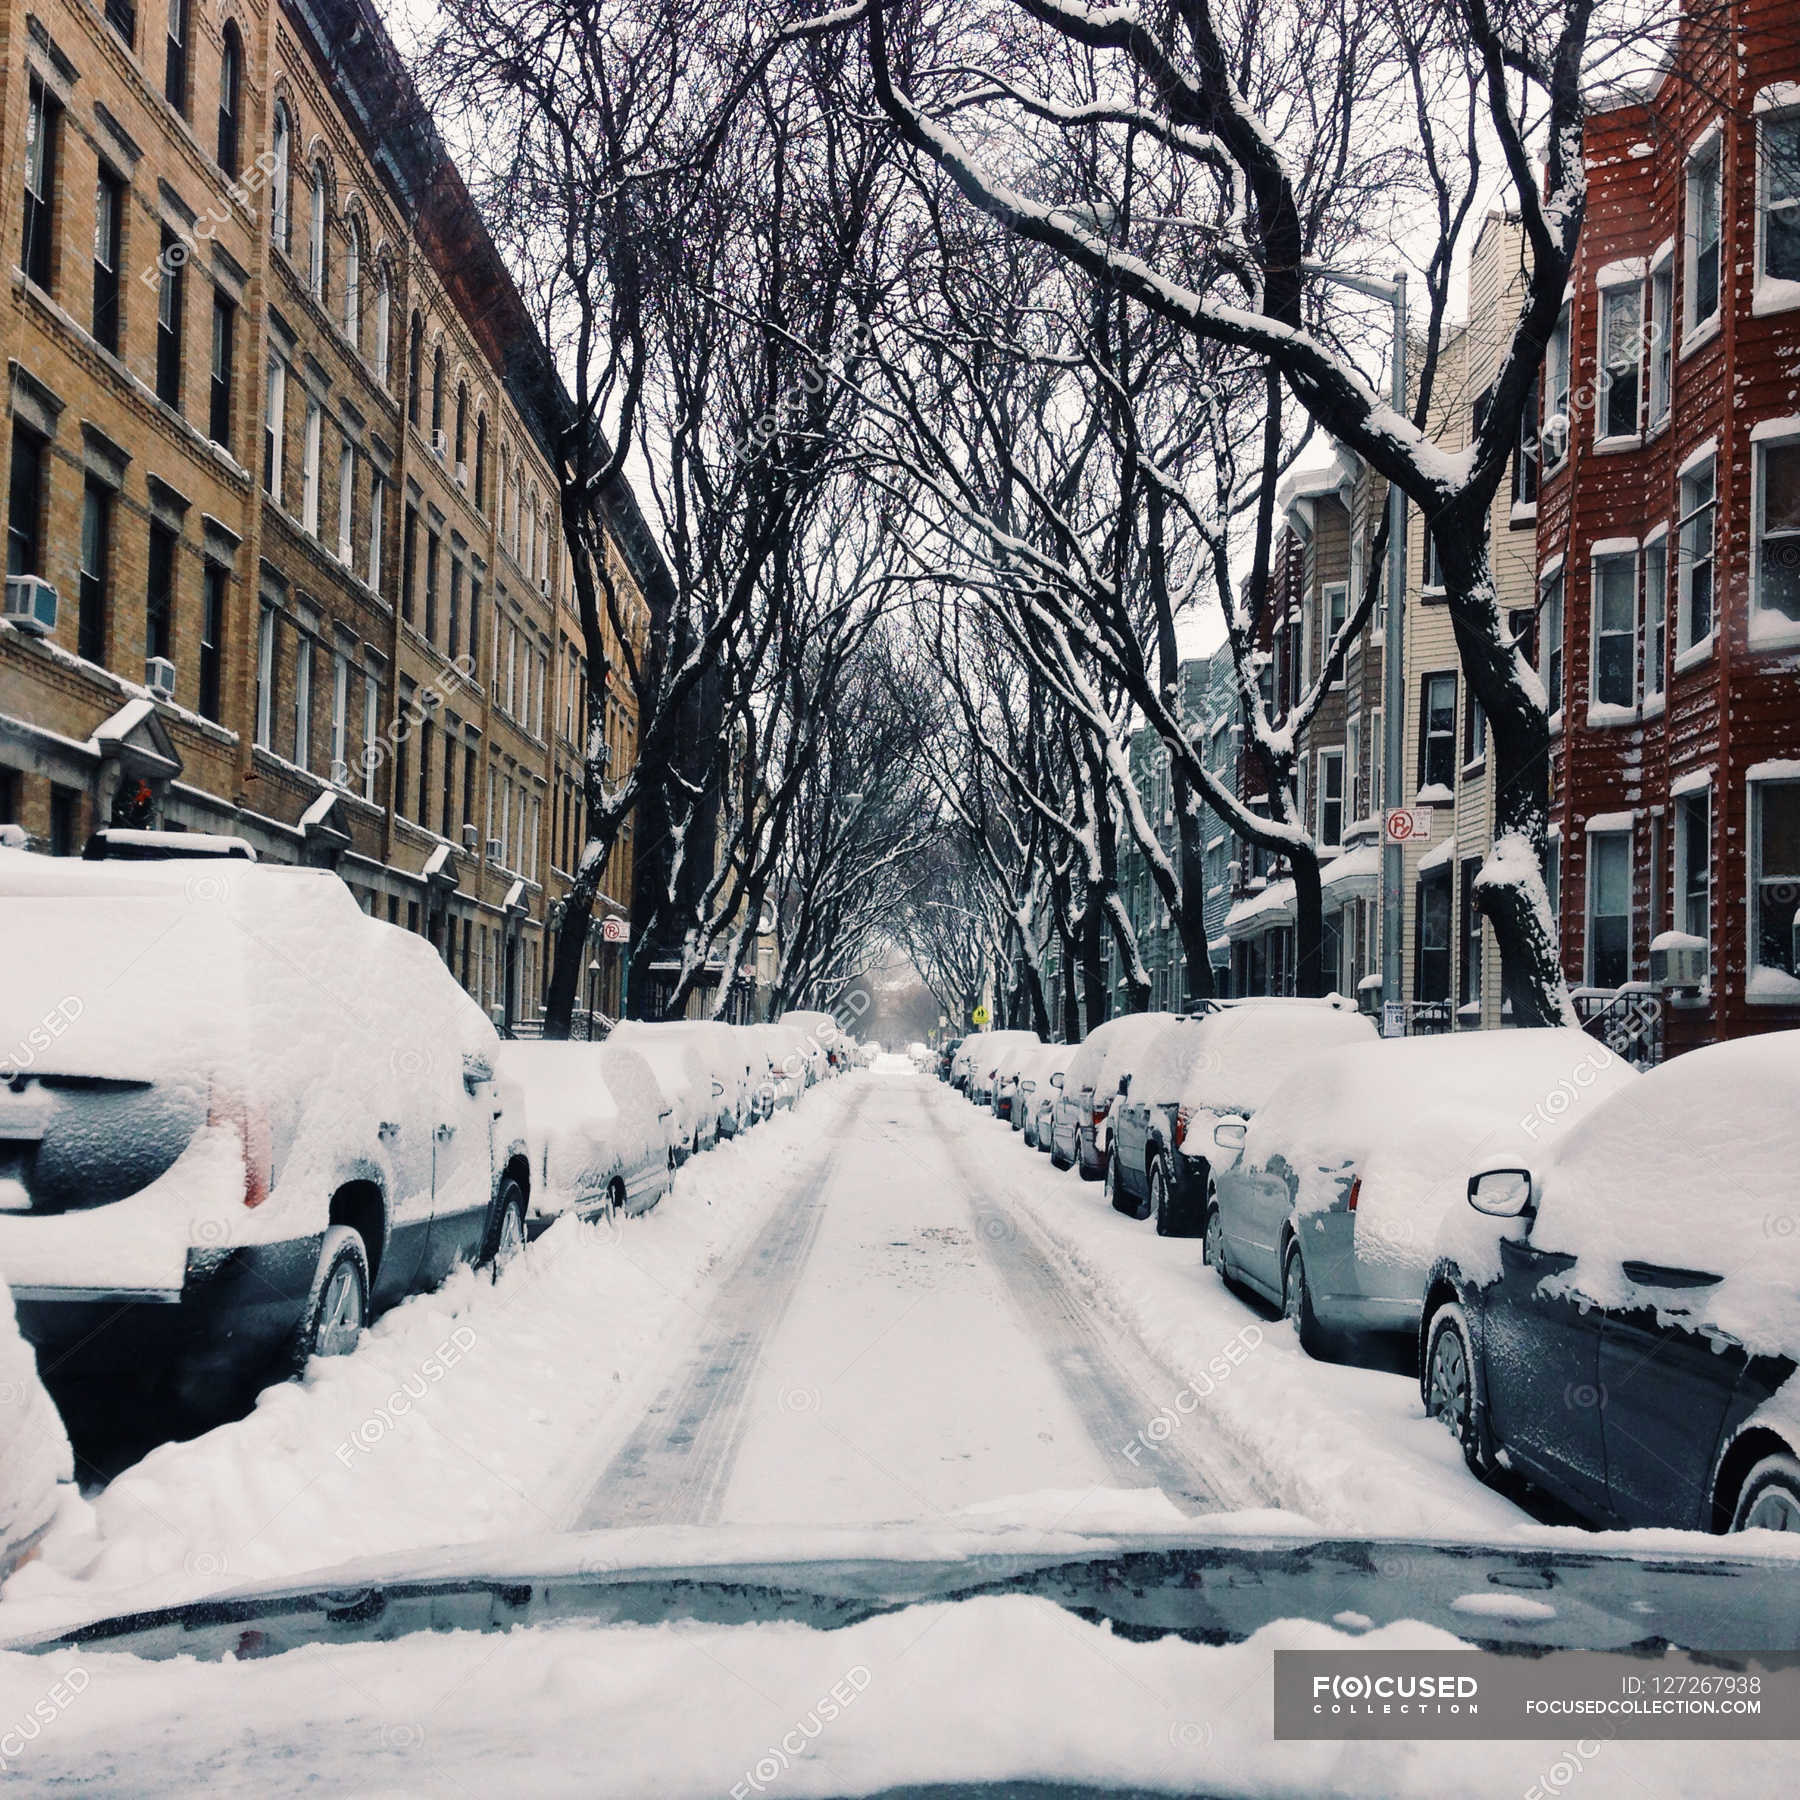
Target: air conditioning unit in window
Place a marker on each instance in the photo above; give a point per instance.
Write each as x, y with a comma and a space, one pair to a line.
462, 474
495, 850
340, 774
1678, 961
30, 604
159, 677
471, 837
440, 444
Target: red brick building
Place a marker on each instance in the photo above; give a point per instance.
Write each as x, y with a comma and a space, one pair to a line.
1668, 537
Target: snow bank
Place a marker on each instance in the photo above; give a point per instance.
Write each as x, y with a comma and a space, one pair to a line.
35, 1459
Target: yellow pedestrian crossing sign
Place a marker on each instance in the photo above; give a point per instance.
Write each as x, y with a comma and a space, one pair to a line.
981, 1015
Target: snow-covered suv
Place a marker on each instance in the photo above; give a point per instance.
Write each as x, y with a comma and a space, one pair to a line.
237, 1118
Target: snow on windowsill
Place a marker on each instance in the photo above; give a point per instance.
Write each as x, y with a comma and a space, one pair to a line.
1771, 987
1654, 705
1605, 715
1771, 630
1694, 655
1772, 294
1524, 512
1556, 723
1611, 446
1701, 335
1434, 794
1781, 769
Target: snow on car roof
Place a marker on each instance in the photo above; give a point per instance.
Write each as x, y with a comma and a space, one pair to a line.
1107, 1049
1240, 1054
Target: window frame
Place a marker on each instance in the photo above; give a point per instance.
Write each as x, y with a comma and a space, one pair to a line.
1682, 835
1768, 623
1660, 309
171, 319
1610, 553
221, 370
1771, 289
1655, 550
1691, 647
1611, 374
228, 150
1757, 787
37, 244
1611, 837
1707, 149
110, 189
1428, 737
1333, 756
1556, 395
177, 87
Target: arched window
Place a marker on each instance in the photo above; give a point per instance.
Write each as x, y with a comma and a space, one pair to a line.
530, 531
317, 270
384, 306
415, 368
481, 463
231, 80
279, 220
353, 286
462, 424
437, 392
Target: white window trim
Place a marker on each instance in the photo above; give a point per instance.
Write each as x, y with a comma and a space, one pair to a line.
1618, 278
1621, 825
1653, 701
1769, 293
1772, 629
1772, 774
1332, 753
1611, 550
1701, 648
1685, 789
1695, 333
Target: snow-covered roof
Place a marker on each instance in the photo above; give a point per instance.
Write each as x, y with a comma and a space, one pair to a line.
1435, 859
1257, 913
1356, 874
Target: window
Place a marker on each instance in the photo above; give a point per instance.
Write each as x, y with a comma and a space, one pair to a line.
159, 592
1437, 732
462, 424
1698, 497
1525, 456
1615, 630
171, 292
415, 367
1433, 585
1474, 732
231, 74
346, 501
409, 560
1329, 797
474, 626
1703, 235
265, 677
340, 715
274, 426
109, 214
384, 306
1662, 340
280, 224
303, 671
437, 394
1621, 352
449, 791
481, 463
1468, 985
1777, 557
1656, 616
1431, 969
96, 567
309, 467
1693, 864
224, 344
1609, 909
353, 287
1353, 767
1553, 877
1377, 752
1555, 435
1779, 145
316, 260
212, 638
1337, 610
41, 121
456, 587
121, 15
403, 712
65, 820
377, 505
371, 732
431, 585
175, 58
1774, 890
25, 503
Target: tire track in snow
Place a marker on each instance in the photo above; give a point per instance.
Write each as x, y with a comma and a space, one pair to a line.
676, 1465
1115, 1385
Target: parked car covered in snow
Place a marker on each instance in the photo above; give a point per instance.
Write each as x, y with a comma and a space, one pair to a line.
239, 1118
1351, 1167
1617, 1317
782, 1078
1040, 1076
678, 1059
821, 1041
1080, 1124
1236, 1058
37, 1466
962, 1059
993, 1085
602, 1131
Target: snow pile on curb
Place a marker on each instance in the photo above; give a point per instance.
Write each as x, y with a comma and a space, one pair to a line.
471, 1412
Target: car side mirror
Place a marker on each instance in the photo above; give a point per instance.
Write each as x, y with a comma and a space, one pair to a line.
718, 1090
1501, 1193
1229, 1134
1124, 1085
476, 1070
1056, 1079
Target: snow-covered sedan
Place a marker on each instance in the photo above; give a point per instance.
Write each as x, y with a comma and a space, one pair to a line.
1081, 1122
37, 1466
992, 1085
1040, 1078
238, 1117
1618, 1319
1351, 1167
685, 1076
602, 1129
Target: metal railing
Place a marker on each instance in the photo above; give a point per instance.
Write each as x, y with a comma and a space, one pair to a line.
1627, 1020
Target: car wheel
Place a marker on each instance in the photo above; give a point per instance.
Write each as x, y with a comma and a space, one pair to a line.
1770, 1497
1169, 1222
337, 1308
1215, 1241
1450, 1380
1057, 1159
509, 1228
1296, 1303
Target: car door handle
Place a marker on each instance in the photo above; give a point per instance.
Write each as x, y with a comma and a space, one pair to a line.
1647, 1274
445, 1133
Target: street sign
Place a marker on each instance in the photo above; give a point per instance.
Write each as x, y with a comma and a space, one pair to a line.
981, 1015
1404, 823
1393, 1018
615, 931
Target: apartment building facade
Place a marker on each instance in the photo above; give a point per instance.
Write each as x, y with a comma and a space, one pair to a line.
1668, 542
277, 442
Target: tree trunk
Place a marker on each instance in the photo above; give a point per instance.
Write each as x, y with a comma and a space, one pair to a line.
1311, 978
1190, 917
1096, 1002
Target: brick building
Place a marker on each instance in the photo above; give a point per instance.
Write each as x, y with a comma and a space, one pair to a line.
277, 441
1668, 538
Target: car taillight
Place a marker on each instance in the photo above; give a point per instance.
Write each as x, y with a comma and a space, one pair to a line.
1355, 1193
1182, 1115
230, 1107
1099, 1115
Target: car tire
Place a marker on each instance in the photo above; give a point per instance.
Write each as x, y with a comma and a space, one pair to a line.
1770, 1497
1214, 1250
1170, 1222
507, 1239
1449, 1381
337, 1308
1057, 1159
1296, 1303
